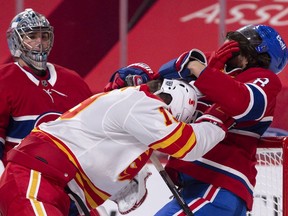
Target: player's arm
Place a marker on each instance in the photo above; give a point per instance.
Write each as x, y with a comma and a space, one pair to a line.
245, 100
178, 68
197, 138
159, 130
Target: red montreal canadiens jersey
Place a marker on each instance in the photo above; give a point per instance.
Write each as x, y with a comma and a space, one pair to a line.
250, 98
27, 100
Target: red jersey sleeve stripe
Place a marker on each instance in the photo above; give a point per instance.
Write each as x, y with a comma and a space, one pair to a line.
186, 147
178, 143
170, 138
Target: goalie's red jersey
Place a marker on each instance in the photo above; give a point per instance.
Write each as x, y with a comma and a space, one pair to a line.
27, 100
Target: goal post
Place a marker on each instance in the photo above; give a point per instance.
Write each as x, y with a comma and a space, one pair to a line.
270, 195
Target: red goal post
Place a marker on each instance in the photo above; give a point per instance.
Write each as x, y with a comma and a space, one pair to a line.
270, 195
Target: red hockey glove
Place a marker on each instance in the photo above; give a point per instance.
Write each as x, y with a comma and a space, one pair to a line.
219, 58
115, 82
177, 68
215, 115
132, 75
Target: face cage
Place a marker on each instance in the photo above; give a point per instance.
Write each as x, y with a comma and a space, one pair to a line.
35, 58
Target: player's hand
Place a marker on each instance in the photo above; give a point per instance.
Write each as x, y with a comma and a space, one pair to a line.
219, 58
177, 68
132, 75
217, 116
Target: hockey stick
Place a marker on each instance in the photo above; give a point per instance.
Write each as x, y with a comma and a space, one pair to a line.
154, 159
79, 201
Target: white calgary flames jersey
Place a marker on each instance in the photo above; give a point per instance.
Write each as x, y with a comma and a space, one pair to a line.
110, 136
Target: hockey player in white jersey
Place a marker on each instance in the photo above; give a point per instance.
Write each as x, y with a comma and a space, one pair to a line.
97, 148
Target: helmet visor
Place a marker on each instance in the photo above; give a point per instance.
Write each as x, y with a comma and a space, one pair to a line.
250, 32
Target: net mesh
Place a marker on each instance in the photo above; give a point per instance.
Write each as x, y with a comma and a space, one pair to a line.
268, 196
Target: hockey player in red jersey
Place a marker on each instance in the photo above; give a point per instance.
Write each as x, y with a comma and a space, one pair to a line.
31, 89
99, 146
240, 79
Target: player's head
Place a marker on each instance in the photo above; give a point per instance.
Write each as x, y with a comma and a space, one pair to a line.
262, 45
180, 97
30, 37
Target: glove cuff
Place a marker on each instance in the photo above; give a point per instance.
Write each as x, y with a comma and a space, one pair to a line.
143, 68
215, 115
199, 56
213, 120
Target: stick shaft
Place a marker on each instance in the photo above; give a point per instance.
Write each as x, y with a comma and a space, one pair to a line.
154, 159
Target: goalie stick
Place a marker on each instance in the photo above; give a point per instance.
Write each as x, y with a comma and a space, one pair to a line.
154, 159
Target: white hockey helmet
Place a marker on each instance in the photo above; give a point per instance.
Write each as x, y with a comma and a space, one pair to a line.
24, 25
183, 99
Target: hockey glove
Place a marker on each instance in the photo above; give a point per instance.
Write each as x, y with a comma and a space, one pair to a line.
219, 58
216, 115
134, 194
132, 75
177, 68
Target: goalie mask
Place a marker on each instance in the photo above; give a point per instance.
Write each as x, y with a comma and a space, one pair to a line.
183, 99
30, 37
266, 40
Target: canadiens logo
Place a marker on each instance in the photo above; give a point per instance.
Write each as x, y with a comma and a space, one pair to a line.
46, 117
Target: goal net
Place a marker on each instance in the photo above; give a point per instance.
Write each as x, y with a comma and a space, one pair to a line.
270, 191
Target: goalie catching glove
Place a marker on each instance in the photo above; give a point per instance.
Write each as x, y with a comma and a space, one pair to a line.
177, 68
216, 115
134, 194
132, 75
